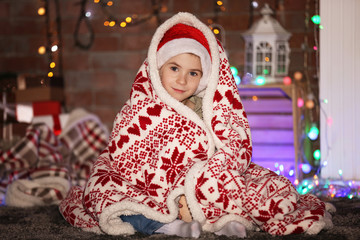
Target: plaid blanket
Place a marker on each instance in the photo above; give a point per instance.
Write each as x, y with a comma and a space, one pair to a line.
41, 167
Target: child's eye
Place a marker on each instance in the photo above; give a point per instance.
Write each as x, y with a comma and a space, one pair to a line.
194, 74
173, 68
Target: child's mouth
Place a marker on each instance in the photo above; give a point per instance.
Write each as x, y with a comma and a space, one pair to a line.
178, 90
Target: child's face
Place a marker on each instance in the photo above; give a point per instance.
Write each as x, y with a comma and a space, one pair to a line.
180, 75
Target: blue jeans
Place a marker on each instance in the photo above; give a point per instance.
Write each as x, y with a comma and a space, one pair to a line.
142, 224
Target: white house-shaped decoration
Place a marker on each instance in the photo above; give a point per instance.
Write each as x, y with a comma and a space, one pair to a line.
267, 48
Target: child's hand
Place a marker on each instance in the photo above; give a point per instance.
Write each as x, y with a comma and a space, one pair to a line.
184, 211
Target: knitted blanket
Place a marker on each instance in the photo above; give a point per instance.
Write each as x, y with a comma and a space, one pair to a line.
159, 149
41, 167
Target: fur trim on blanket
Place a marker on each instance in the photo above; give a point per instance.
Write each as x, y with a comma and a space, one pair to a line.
160, 149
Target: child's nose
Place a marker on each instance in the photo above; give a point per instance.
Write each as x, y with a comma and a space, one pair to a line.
181, 79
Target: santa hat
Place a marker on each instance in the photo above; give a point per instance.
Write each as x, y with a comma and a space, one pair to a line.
182, 38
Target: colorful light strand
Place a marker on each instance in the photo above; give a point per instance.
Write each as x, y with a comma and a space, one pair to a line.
327, 188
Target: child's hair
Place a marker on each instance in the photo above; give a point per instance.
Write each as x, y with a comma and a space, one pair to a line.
183, 38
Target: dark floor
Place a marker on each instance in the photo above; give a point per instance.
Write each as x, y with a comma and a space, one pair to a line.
46, 223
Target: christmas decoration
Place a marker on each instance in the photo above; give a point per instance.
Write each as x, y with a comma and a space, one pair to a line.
267, 49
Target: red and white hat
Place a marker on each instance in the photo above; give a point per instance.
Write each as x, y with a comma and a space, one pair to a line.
182, 38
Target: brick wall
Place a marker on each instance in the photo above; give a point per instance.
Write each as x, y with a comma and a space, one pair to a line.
99, 79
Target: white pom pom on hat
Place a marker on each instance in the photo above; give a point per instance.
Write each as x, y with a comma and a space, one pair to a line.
182, 38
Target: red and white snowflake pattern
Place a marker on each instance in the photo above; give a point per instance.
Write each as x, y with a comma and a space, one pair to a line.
152, 152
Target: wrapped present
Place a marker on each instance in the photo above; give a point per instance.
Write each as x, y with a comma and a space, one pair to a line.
25, 112
47, 112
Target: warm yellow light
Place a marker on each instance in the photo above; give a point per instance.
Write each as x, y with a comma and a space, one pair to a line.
106, 23
110, 3
309, 104
254, 98
298, 75
163, 9
96, 1
216, 31
50, 74
112, 23
128, 19
267, 59
296, 182
41, 11
52, 65
42, 50
123, 24
219, 3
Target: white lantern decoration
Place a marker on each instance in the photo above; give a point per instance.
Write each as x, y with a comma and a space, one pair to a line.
267, 48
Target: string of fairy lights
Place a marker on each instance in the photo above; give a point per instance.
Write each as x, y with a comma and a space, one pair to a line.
307, 103
53, 46
157, 8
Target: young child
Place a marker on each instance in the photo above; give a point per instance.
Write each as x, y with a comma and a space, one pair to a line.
184, 66
181, 145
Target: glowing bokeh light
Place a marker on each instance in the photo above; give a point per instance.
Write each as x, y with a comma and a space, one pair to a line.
316, 19
296, 182
313, 133
287, 80
255, 4
54, 48
234, 70
41, 50
300, 102
281, 168
237, 80
298, 75
317, 154
260, 80
310, 104
306, 168
41, 11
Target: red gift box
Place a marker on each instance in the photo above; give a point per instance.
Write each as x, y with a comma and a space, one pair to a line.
27, 112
